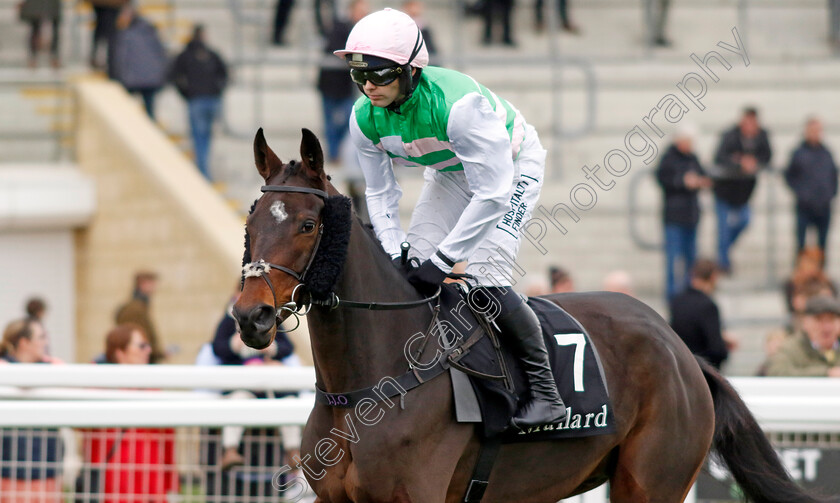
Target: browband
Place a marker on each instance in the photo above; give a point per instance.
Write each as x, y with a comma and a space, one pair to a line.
290, 188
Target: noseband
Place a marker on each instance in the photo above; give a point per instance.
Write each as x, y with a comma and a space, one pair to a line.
260, 268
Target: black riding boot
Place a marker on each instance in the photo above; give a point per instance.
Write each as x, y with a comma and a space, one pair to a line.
521, 326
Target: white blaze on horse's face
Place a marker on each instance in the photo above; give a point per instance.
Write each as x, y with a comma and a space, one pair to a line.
278, 209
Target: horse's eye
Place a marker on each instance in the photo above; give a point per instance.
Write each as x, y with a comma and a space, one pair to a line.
307, 227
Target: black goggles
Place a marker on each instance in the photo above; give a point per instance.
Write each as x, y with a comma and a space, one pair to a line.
381, 77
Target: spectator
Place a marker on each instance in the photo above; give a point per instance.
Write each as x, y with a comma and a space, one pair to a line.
618, 281
137, 58
475, 8
536, 286
282, 11
812, 176
137, 311
772, 343
230, 350
36, 308
105, 26
799, 298
127, 345
24, 341
338, 93
200, 75
31, 458
696, 319
416, 9
743, 150
834, 25
656, 13
498, 11
560, 280
814, 351
139, 463
802, 293
809, 268
681, 177
562, 9
36, 13
326, 16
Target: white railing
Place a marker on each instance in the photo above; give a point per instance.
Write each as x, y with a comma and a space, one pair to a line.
780, 404
169, 377
106, 395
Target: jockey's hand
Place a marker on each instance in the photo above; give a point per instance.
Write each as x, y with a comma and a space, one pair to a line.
404, 268
426, 278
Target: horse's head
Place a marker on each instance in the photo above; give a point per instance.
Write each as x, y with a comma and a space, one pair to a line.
283, 234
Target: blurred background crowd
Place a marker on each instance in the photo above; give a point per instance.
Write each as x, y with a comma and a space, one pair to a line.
728, 233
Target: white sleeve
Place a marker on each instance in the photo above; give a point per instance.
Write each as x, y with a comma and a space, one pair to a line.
480, 140
382, 191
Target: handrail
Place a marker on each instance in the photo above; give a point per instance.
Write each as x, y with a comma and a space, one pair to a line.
779, 404
15, 393
155, 414
165, 377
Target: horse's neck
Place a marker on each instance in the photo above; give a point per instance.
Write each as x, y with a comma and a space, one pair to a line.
355, 348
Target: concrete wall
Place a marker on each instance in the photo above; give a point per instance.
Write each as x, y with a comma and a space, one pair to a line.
154, 211
40, 205
40, 264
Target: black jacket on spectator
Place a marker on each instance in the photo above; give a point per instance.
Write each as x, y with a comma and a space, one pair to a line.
681, 206
812, 175
696, 319
334, 78
221, 343
198, 71
731, 184
30, 453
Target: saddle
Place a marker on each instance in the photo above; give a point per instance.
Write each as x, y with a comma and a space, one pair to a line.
487, 383
497, 386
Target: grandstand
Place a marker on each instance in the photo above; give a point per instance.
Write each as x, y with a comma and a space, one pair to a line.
584, 93
599, 86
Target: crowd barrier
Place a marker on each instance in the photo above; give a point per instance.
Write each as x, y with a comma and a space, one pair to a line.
800, 415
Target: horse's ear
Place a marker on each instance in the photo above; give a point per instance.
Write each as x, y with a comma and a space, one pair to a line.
267, 161
311, 153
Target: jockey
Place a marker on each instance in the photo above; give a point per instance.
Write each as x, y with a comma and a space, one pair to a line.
484, 168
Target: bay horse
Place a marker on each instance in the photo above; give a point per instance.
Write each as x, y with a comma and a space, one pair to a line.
669, 408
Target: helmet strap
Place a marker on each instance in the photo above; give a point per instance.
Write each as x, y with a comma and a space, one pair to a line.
408, 83
418, 44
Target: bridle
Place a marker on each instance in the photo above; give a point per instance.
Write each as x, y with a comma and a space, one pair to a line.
261, 269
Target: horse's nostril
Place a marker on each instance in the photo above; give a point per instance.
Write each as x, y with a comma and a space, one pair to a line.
263, 317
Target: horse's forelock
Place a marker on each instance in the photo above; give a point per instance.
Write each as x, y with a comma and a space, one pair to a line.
296, 170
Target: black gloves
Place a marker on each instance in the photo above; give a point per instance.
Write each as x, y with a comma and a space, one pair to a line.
426, 278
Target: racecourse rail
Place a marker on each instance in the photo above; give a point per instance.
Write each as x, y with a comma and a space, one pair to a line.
86, 395
27, 391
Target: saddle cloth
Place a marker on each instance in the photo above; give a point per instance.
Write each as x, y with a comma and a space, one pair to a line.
575, 363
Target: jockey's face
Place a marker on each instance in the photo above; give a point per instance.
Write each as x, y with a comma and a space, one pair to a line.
382, 96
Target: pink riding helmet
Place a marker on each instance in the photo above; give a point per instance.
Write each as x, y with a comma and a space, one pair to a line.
387, 34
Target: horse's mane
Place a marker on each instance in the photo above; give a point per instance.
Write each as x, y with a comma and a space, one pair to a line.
328, 263
371, 233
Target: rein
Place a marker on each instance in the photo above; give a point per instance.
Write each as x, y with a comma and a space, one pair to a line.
411, 379
261, 269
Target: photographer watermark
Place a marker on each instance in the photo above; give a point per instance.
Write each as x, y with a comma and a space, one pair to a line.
670, 109
640, 142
